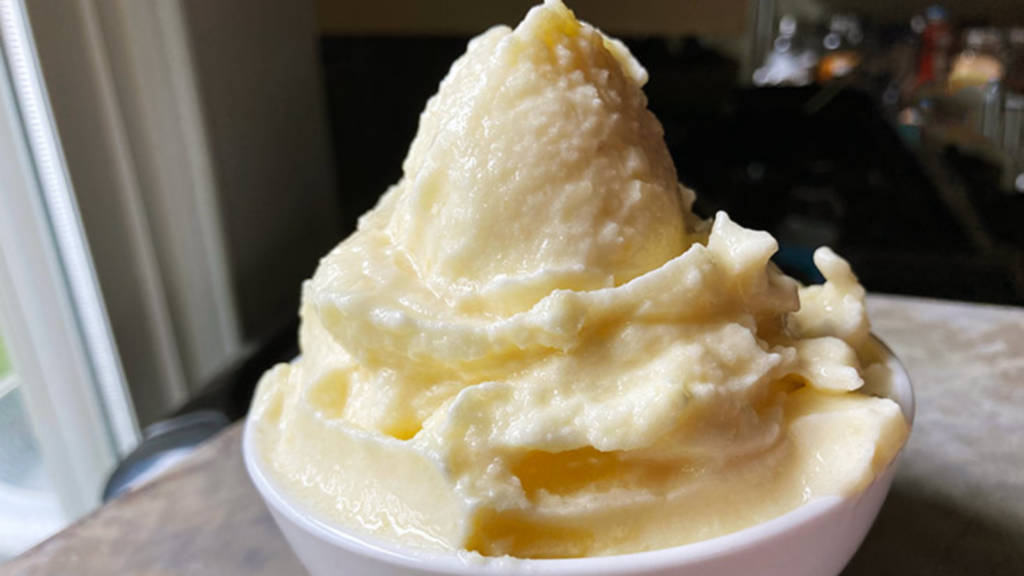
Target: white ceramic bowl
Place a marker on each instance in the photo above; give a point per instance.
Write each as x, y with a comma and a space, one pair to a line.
817, 539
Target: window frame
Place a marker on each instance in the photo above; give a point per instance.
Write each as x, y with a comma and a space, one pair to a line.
54, 320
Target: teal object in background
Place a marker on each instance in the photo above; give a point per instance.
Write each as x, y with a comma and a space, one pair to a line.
798, 262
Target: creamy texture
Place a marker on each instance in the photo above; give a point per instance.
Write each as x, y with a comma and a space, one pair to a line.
532, 347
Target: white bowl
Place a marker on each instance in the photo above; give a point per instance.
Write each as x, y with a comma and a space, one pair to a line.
817, 539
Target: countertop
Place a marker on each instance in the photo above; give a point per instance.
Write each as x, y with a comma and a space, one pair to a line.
956, 507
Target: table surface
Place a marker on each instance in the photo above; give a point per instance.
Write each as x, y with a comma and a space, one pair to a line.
956, 507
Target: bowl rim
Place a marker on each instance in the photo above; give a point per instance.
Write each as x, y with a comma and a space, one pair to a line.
463, 563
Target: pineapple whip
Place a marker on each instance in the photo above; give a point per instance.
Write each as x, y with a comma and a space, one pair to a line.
531, 347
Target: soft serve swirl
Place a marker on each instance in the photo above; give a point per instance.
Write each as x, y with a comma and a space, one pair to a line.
532, 347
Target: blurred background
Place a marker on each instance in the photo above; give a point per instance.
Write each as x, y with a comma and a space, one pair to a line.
171, 171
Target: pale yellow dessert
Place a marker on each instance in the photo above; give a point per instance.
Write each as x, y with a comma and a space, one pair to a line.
532, 347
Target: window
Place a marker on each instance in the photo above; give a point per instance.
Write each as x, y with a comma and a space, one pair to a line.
65, 416
29, 507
